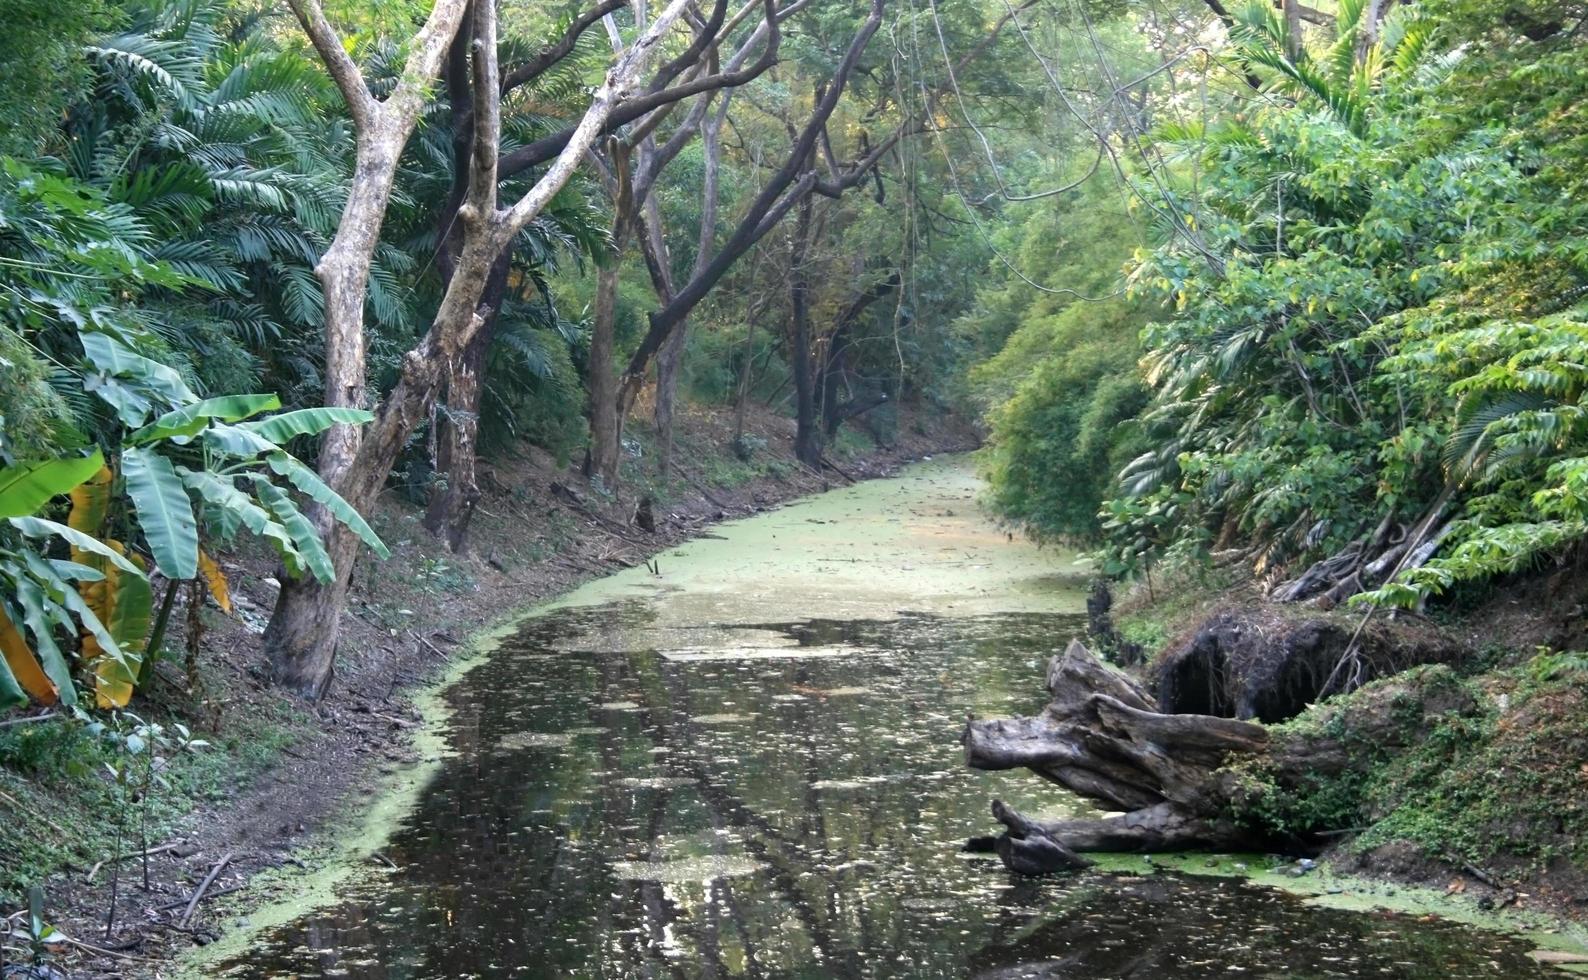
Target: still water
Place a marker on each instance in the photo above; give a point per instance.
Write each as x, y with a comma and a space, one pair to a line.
747, 766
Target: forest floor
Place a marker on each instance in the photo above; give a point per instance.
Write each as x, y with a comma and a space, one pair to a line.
276, 769
1491, 804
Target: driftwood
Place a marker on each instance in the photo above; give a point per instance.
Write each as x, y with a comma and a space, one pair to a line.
204, 886
1175, 781
1103, 738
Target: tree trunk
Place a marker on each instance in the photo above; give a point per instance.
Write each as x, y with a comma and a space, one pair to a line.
671, 356
606, 427
1293, 38
835, 366
451, 506
668, 361
301, 638
807, 435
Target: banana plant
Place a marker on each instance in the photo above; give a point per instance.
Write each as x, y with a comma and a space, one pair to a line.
187, 470
40, 598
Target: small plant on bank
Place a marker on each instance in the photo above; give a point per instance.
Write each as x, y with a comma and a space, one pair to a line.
37, 941
144, 749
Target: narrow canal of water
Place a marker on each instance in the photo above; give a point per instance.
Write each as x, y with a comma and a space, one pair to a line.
747, 766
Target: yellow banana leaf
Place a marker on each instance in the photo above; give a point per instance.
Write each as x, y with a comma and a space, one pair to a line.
90, 501
124, 603
216, 580
24, 665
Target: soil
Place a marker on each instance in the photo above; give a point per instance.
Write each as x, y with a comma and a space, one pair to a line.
539, 530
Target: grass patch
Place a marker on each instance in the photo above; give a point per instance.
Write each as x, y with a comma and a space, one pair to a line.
62, 805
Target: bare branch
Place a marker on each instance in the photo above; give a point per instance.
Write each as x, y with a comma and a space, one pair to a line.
552, 53
424, 59
597, 120
361, 105
487, 110
780, 193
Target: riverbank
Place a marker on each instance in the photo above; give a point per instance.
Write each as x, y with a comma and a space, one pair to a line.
275, 769
1487, 803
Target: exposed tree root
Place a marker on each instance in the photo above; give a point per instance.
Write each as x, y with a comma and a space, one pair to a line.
1182, 781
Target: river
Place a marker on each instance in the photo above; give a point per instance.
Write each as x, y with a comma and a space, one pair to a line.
745, 764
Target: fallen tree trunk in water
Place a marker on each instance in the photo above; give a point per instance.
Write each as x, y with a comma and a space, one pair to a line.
1103, 738
1185, 781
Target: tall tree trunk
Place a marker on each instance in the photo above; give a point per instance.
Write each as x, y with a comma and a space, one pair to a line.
606, 413
741, 395
671, 356
807, 435
606, 426
834, 362
668, 362
1293, 38
451, 506
382, 128
301, 639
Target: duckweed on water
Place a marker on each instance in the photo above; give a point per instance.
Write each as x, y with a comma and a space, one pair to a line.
817, 834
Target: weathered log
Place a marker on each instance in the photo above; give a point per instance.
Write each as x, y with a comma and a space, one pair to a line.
1103, 738
1183, 781
1028, 848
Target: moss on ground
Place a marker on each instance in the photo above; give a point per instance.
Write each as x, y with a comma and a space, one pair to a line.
1509, 785
1490, 769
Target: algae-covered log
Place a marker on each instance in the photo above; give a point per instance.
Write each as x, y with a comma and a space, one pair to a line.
1182, 781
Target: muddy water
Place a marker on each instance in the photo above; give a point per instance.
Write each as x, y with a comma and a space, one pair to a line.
747, 766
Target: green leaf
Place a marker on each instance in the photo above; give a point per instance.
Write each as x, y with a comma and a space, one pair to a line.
38, 527
38, 614
73, 600
186, 421
164, 512
316, 489
234, 440
115, 359
282, 428
25, 488
304, 535
220, 493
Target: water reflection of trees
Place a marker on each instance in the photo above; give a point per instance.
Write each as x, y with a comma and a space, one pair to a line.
506, 864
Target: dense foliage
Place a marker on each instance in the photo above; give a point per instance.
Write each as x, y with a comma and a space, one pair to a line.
1210, 283
1372, 281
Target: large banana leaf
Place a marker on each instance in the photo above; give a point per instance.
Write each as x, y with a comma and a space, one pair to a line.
122, 601
312, 486
115, 669
20, 673
26, 488
90, 502
304, 422
125, 605
187, 421
219, 493
234, 440
41, 616
164, 512
304, 535
38, 527
215, 579
116, 359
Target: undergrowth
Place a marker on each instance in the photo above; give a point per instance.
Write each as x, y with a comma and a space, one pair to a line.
62, 806
1489, 769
